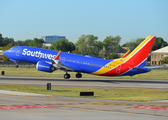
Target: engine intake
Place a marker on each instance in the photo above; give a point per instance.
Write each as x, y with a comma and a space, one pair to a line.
44, 66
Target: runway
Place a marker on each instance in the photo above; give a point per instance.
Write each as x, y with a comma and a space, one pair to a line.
87, 83
73, 108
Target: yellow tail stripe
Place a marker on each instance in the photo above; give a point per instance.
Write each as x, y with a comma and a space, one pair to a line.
109, 66
117, 62
137, 48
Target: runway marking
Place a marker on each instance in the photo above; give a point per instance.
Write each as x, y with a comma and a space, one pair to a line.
72, 105
162, 101
147, 107
90, 103
155, 84
114, 111
27, 107
20, 93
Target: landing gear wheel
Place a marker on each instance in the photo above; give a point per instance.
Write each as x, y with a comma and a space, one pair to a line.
78, 75
67, 76
16, 66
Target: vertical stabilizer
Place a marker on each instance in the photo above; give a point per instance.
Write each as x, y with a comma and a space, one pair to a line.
139, 55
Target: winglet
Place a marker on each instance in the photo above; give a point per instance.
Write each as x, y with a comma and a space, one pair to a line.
58, 55
125, 54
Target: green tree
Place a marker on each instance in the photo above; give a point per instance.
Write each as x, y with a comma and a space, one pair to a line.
20, 42
133, 43
111, 45
24, 43
27, 42
45, 47
98, 48
165, 60
6, 41
1, 44
113, 56
37, 42
63, 45
88, 45
159, 43
81, 45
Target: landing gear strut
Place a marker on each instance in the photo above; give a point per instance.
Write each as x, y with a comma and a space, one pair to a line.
78, 75
16, 66
67, 76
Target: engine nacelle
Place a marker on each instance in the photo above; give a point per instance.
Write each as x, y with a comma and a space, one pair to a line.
44, 66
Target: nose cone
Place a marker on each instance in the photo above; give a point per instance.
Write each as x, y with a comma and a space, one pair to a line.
6, 52
12, 53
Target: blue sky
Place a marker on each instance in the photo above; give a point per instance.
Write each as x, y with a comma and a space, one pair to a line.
130, 19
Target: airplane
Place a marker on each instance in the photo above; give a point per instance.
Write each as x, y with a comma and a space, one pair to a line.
50, 60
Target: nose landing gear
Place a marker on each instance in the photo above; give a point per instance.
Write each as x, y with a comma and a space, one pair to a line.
16, 66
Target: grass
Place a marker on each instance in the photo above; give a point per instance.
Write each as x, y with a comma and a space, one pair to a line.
155, 74
109, 94
125, 94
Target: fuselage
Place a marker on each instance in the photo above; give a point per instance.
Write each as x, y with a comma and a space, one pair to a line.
79, 63
50, 60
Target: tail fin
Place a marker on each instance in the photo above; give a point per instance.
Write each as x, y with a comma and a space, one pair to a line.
139, 56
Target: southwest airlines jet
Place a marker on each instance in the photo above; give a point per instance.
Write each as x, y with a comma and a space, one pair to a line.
50, 60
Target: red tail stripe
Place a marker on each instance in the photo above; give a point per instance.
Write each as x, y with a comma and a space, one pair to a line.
133, 61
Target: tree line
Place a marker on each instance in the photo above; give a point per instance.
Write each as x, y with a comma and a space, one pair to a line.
34, 43
158, 43
86, 45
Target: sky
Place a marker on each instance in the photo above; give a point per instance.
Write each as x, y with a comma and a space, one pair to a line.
130, 19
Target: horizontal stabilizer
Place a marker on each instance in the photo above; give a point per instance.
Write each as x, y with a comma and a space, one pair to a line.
153, 67
140, 69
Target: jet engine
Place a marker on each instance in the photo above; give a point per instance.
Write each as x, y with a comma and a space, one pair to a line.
44, 66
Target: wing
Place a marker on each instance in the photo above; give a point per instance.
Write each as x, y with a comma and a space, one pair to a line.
58, 65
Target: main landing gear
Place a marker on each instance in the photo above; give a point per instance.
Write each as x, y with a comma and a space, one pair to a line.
67, 76
78, 75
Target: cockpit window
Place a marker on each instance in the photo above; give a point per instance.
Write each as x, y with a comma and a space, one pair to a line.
10, 50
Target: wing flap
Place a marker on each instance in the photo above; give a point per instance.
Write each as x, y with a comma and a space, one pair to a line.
57, 64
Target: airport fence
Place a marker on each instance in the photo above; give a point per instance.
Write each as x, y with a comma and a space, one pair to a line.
12, 64
24, 64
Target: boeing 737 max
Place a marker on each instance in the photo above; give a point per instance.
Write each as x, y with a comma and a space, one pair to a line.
50, 60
